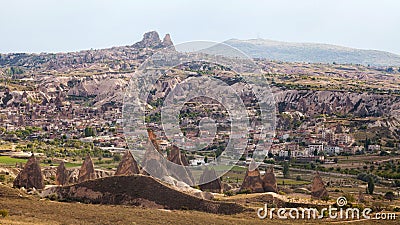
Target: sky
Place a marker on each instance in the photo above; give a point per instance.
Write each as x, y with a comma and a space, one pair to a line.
71, 25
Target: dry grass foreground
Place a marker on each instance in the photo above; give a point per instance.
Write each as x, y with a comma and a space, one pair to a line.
31, 210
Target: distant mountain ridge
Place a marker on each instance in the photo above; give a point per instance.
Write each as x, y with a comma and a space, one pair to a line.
313, 52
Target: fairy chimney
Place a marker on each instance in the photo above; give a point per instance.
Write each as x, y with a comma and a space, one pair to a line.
252, 180
31, 176
153, 162
167, 41
87, 170
210, 182
269, 180
128, 165
61, 174
182, 172
318, 189
153, 139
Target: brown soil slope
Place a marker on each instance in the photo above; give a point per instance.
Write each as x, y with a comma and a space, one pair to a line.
140, 190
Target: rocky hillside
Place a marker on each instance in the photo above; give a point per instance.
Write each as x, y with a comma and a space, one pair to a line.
313, 53
140, 190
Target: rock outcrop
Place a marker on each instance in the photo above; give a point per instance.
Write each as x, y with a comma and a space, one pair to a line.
152, 40
153, 139
139, 190
153, 162
269, 181
252, 181
318, 189
87, 170
61, 174
330, 102
167, 42
128, 165
210, 182
31, 176
181, 171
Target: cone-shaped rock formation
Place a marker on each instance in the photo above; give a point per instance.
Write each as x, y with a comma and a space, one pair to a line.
269, 180
31, 176
87, 170
318, 189
62, 175
210, 182
128, 165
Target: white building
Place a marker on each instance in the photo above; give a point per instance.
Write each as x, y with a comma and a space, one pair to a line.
332, 150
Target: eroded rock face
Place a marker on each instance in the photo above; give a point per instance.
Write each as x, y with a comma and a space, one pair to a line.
152, 162
61, 175
128, 165
140, 190
318, 189
152, 40
269, 180
167, 42
153, 139
31, 176
182, 173
252, 180
87, 170
215, 183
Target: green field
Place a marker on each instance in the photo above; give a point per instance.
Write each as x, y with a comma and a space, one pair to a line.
7, 160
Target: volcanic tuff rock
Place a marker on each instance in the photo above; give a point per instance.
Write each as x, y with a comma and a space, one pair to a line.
152, 40
318, 189
210, 182
167, 41
72, 175
269, 180
153, 139
31, 176
61, 175
252, 180
128, 165
87, 170
180, 170
330, 102
153, 162
139, 190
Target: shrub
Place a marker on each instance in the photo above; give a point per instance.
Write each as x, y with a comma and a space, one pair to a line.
244, 191
389, 195
3, 212
349, 197
325, 198
2, 178
229, 193
53, 197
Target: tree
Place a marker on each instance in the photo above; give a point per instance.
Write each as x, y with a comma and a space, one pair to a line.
89, 132
285, 169
117, 157
371, 186
389, 195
